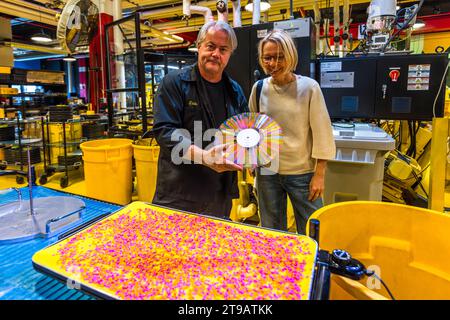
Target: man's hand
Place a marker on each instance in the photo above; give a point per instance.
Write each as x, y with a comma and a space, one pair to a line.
214, 159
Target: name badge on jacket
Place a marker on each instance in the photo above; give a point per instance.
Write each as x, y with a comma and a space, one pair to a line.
192, 103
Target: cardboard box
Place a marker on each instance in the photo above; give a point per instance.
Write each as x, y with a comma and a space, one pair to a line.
6, 56
9, 91
5, 29
45, 77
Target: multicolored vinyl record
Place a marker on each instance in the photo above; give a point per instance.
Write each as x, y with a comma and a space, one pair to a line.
252, 139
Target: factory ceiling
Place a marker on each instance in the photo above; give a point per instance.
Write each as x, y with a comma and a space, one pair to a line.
31, 16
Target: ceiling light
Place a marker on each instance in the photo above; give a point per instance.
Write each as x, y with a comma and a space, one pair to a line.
193, 48
419, 24
69, 58
264, 5
41, 37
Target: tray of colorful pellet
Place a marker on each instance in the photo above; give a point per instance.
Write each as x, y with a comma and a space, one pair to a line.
145, 251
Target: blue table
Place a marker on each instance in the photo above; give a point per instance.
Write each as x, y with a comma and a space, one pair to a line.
18, 279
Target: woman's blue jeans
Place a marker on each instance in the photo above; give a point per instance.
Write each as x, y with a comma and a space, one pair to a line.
272, 190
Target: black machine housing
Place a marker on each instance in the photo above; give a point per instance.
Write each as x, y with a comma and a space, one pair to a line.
243, 65
398, 87
358, 87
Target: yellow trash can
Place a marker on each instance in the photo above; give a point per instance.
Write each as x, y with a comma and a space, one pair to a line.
107, 169
146, 153
406, 246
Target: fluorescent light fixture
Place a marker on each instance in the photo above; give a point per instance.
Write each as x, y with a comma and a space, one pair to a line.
38, 57
264, 5
177, 37
419, 24
169, 67
41, 37
193, 48
69, 58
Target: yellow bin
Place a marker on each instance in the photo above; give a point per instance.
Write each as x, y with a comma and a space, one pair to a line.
406, 246
146, 157
107, 169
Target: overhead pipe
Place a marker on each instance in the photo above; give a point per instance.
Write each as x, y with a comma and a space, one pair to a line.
188, 9
237, 22
175, 27
27, 5
265, 17
246, 17
39, 25
171, 46
222, 10
291, 10
170, 12
326, 22
118, 47
34, 47
205, 11
317, 19
27, 13
346, 24
302, 12
256, 11
159, 44
147, 29
337, 27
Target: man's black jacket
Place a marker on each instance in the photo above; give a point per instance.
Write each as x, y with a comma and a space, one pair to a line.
182, 99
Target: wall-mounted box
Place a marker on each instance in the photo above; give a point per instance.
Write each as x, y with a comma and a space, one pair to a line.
5, 29
6, 56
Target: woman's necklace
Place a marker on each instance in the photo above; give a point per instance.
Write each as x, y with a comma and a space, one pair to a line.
281, 89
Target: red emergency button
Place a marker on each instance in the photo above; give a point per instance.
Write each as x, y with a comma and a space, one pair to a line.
394, 74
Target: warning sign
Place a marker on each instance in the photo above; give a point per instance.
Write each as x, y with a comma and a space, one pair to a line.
419, 77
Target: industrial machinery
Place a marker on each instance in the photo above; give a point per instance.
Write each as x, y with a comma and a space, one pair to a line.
243, 65
403, 175
44, 217
381, 81
382, 19
425, 74
401, 87
377, 80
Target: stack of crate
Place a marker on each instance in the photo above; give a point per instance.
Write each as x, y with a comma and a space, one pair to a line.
55, 139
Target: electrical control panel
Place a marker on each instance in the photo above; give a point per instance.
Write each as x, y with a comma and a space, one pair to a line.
402, 87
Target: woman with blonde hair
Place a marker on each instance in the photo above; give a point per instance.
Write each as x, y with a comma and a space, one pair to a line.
296, 103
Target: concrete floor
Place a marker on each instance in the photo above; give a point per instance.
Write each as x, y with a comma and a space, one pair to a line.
77, 183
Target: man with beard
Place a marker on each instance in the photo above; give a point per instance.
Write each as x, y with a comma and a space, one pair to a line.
200, 96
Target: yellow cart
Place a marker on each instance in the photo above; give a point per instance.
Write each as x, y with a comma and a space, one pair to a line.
149, 252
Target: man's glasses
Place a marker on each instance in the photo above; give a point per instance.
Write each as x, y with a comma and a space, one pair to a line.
212, 47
